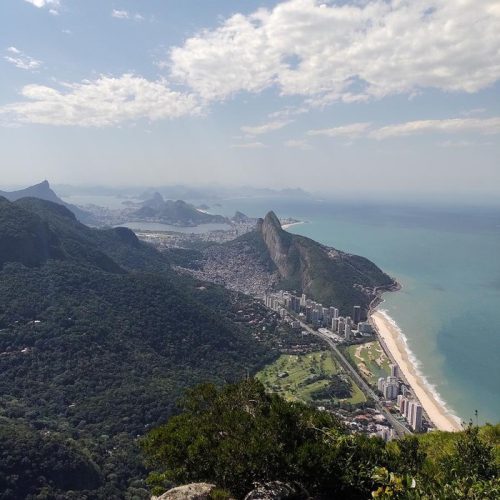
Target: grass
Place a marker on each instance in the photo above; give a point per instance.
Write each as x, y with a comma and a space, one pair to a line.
370, 360
300, 369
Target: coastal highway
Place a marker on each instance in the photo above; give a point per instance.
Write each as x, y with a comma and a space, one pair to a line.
398, 427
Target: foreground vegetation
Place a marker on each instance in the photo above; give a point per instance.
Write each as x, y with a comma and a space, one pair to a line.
241, 435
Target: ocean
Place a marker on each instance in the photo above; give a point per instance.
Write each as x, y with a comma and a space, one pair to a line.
447, 260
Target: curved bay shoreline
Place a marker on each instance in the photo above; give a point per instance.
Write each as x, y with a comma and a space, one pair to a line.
394, 344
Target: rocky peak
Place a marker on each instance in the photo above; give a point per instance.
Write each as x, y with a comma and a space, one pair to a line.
278, 242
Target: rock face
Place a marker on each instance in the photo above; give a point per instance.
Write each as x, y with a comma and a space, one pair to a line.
277, 490
324, 274
280, 245
195, 491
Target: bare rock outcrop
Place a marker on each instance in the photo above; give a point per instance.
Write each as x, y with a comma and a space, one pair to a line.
194, 491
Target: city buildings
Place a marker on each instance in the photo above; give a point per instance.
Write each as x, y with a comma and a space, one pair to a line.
319, 316
356, 314
389, 387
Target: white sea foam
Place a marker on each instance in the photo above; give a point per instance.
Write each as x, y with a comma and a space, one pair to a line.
418, 366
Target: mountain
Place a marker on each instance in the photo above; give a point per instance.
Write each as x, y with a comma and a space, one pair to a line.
43, 191
177, 213
240, 217
325, 274
98, 339
270, 258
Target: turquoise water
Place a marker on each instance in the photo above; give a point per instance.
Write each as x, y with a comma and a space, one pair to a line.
448, 262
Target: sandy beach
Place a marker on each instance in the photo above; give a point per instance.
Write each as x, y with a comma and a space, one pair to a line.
286, 226
390, 335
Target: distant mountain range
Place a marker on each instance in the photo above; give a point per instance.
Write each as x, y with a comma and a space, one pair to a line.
176, 213
43, 191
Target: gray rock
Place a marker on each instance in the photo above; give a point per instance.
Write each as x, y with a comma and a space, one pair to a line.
194, 491
277, 490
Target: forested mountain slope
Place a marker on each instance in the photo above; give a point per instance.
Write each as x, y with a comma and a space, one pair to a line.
98, 338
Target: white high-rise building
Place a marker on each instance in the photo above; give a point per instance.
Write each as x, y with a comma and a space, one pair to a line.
403, 405
381, 384
390, 390
416, 418
410, 408
335, 324
334, 312
394, 371
356, 314
347, 332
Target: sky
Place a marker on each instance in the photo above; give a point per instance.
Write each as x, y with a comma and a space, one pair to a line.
365, 97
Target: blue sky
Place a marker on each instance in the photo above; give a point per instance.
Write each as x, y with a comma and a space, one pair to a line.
382, 98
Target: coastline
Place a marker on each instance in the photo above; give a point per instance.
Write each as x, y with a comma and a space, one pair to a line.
393, 342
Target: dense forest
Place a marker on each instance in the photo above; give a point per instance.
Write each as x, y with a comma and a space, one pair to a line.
98, 339
240, 436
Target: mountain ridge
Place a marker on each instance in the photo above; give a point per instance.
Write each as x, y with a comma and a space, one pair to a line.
43, 191
177, 213
325, 274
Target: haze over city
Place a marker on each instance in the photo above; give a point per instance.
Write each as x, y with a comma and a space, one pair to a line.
344, 97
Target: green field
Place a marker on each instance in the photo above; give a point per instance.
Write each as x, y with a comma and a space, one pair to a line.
370, 360
297, 377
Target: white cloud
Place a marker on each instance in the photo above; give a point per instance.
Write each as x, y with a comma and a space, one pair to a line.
120, 14
483, 126
249, 145
21, 60
487, 126
44, 3
350, 131
265, 128
99, 103
351, 52
52, 4
298, 144
124, 14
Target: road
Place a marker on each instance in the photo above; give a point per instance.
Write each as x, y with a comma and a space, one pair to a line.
398, 427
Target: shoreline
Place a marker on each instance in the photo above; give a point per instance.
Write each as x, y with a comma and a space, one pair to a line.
394, 343
286, 226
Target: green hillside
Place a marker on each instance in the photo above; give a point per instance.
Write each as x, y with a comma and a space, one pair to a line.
98, 338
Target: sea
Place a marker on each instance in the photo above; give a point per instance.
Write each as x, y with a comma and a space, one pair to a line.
447, 259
